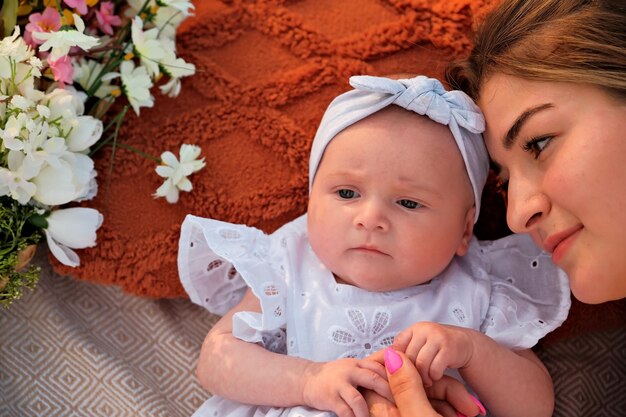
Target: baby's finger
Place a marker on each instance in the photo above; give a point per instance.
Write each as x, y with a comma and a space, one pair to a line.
402, 340
355, 401
343, 410
438, 366
378, 356
415, 345
424, 360
374, 366
366, 378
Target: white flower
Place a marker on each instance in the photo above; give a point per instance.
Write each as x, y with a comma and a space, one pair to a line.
72, 228
167, 20
14, 46
136, 84
147, 45
11, 134
134, 6
40, 149
25, 81
65, 102
43, 111
21, 102
176, 173
61, 41
86, 72
85, 133
14, 181
69, 181
176, 68
182, 5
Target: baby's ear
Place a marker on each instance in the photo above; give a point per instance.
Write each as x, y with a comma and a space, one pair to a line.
468, 232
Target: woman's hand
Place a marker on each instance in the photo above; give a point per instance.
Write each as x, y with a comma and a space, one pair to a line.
447, 397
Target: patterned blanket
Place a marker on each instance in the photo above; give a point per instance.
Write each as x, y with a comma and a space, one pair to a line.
73, 348
266, 71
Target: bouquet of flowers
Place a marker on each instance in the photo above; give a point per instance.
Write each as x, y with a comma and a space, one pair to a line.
63, 64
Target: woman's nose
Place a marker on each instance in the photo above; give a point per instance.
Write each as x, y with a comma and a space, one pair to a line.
371, 215
527, 205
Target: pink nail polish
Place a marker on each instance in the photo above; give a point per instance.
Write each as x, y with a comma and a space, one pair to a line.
480, 405
393, 361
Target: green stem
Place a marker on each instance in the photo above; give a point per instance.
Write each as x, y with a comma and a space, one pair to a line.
137, 151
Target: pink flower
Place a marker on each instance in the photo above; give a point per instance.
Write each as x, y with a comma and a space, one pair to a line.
106, 18
79, 5
48, 21
62, 70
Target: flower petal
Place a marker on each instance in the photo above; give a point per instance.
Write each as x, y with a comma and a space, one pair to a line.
74, 227
64, 254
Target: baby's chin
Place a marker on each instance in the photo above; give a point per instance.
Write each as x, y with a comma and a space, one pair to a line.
376, 284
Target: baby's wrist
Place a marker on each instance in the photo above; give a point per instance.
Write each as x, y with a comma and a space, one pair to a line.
306, 389
475, 340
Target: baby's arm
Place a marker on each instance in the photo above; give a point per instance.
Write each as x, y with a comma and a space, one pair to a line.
510, 383
248, 373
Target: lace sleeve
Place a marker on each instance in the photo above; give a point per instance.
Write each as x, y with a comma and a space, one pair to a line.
218, 260
530, 296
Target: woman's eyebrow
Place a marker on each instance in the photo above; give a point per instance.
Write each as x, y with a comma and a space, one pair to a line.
511, 135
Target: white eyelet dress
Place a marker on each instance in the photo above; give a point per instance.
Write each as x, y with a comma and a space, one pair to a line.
508, 289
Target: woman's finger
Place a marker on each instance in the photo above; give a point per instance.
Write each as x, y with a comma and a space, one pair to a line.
406, 386
453, 392
444, 408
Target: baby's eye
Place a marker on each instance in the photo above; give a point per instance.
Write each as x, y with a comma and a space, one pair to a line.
410, 204
347, 194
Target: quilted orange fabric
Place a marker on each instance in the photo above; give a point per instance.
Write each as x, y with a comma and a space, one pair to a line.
266, 70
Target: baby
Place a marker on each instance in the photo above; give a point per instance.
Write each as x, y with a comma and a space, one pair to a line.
396, 174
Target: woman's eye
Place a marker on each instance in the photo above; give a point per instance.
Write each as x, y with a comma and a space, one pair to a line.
537, 145
347, 194
410, 204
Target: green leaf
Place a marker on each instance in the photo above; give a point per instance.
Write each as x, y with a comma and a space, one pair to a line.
9, 17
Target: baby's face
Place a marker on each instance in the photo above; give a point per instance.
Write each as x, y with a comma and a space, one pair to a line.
391, 203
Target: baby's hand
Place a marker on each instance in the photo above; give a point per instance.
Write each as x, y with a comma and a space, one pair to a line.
434, 347
333, 385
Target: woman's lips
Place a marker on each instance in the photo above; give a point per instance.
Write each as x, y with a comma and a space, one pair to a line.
559, 243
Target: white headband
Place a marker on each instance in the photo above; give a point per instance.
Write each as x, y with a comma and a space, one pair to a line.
422, 95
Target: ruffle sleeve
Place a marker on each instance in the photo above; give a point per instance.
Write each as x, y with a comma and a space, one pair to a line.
530, 295
218, 260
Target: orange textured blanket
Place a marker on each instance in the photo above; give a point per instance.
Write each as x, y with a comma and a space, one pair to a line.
266, 71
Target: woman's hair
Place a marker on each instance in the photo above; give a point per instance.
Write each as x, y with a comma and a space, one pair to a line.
578, 41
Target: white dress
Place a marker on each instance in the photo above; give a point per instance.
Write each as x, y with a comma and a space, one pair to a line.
508, 289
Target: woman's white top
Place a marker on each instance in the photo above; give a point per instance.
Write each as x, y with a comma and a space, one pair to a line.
508, 289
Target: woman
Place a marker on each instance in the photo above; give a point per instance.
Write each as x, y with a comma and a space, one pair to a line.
550, 77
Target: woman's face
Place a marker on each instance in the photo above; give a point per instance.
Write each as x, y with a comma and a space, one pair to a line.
561, 148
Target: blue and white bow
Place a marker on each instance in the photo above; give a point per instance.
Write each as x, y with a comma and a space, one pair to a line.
422, 95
